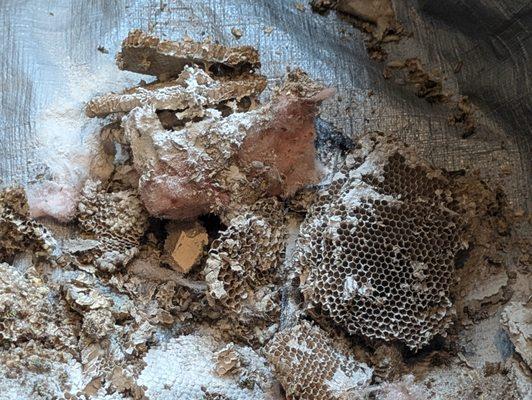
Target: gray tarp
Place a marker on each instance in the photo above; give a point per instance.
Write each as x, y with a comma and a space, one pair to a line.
43, 40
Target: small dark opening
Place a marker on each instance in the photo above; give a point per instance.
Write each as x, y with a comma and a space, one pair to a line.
157, 227
437, 349
213, 225
461, 257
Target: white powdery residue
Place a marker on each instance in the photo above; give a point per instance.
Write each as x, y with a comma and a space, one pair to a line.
67, 140
237, 125
373, 165
341, 383
332, 229
180, 368
193, 77
406, 389
50, 383
296, 345
361, 191
337, 176
293, 227
189, 86
64, 131
352, 288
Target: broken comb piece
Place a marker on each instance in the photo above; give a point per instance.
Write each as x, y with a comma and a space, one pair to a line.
178, 95
148, 55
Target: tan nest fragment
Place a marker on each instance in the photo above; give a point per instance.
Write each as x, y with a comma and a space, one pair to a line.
377, 248
18, 232
149, 55
193, 89
310, 367
117, 220
243, 266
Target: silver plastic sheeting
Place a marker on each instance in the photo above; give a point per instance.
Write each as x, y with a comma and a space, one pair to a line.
43, 40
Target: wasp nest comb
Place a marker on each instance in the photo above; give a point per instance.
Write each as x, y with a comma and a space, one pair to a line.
117, 220
28, 312
244, 262
163, 58
377, 248
309, 366
18, 232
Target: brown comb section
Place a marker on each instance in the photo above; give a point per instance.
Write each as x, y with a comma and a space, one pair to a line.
149, 55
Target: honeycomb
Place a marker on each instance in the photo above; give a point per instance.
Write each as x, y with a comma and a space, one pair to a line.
18, 232
309, 367
194, 89
149, 55
29, 312
243, 263
377, 248
117, 220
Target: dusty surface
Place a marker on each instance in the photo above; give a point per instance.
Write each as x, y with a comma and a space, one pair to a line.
378, 20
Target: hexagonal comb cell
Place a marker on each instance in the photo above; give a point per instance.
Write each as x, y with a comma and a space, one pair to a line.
117, 220
377, 248
244, 263
310, 367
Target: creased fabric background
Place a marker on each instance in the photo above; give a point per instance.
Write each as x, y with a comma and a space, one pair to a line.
49, 56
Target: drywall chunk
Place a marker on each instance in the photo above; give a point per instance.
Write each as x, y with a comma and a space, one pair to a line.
309, 366
185, 245
194, 89
220, 163
149, 55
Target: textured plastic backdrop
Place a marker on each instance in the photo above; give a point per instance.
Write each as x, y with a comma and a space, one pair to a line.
492, 39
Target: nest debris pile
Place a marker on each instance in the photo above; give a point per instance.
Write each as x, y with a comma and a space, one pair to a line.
193, 271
